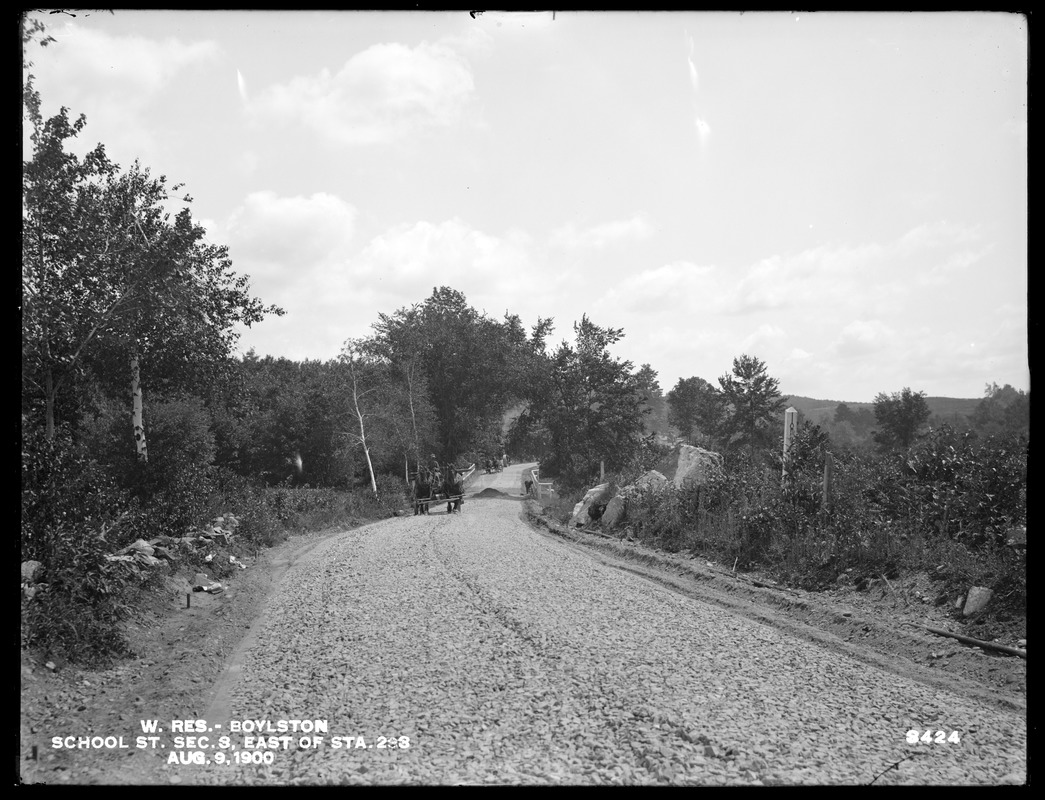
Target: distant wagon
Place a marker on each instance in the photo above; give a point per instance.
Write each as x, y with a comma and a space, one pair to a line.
435, 486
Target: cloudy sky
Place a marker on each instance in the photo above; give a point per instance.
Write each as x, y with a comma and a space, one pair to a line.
842, 195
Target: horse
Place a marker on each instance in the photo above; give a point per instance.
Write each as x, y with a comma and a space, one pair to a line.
422, 487
452, 488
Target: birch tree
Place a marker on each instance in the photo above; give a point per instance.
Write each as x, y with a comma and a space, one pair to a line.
365, 387
108, 277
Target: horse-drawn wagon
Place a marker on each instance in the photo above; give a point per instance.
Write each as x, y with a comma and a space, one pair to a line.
436, 485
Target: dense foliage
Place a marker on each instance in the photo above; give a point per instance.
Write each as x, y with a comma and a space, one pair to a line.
586, 408
948, 505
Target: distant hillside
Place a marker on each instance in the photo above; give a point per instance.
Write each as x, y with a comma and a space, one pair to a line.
820, 410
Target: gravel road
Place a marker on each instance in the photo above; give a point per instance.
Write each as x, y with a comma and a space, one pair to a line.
505, 656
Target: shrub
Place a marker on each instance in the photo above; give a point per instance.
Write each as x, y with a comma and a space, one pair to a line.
174, 487
68, 509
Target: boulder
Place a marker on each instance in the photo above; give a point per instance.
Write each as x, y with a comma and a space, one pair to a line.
140, 546
30, 571
977, 600
650, 480
697, 466
617, 506
580, 511
614, 512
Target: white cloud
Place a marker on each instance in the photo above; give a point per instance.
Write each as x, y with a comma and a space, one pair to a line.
291, 233
113, 81
673, 287
762, 338
300, 256
862, 338
131, 68
857, 276
950, 268
383, 93
598, 236
937, 234
426, 254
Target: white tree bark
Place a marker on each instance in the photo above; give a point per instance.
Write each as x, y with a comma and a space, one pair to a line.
137, 416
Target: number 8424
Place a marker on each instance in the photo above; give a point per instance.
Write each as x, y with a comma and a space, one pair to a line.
930, 737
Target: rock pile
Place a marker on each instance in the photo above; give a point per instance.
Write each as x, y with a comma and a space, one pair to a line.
156, 553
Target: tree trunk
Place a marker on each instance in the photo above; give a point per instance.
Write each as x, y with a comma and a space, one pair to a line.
362, 427
413, 416
49, 393
137, 421
370, 466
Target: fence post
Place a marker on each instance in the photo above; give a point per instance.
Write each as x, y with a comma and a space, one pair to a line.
790, 428
602, 471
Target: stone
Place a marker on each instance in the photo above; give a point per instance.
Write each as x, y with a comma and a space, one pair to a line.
697, 466
580, 511
650, 480
140, 546
1017, 537
30, 571
977, 600
614, 512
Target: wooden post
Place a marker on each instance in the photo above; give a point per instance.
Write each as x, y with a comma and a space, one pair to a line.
602, 471
829, 470
790, 429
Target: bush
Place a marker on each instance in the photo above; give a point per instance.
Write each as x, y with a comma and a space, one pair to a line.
966, 488
948, 502
174, 487
69, 508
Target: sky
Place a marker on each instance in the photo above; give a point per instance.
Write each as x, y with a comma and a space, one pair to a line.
841, 195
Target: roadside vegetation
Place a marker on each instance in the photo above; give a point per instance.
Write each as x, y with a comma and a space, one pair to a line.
947, 500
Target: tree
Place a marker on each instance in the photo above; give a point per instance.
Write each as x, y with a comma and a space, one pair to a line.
590, 405
400, 343
695, 408
473, 365
899, 417
113, 284
752, 404
61, 312
653, 398
366, 383
1002, 410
